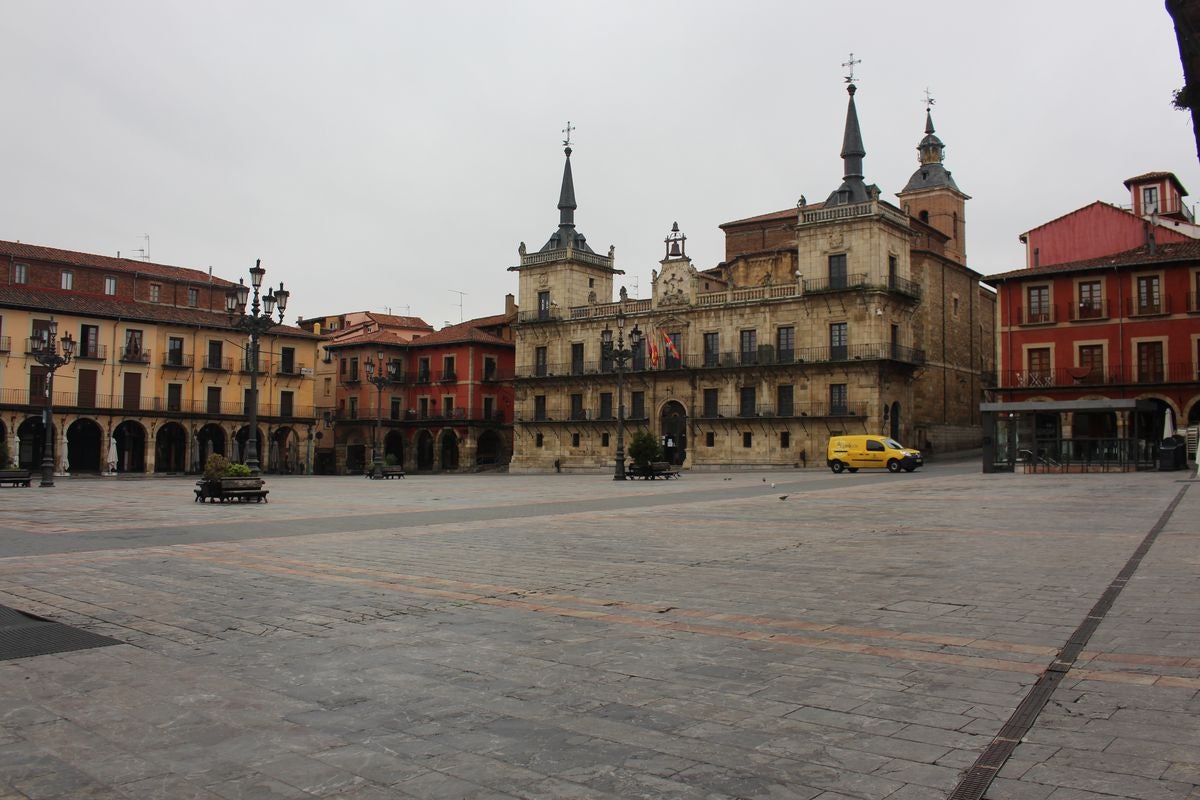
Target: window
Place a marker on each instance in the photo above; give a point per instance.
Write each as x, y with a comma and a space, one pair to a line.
489, 408
874, 446
576, 358
639, 355
604, 440
155, 292
837, 271
214, 355
749, 342
287, 360
606, 405
1150, 362
328, 386
537, 440
783, 401
448, 406
175, 351
448, 369
423, 407
785, 344
1038, 304
543, 305
785, 440
591, 283
489, 368
539, 362
214, 400
353, 408
539, 407
89, 342
133, 346
747, 402
193, 297
637, 405
353, 368
1090, 306
286, 404
1037, 362
422, 370
110, 285
710, 402
577, 406
672, 352
710, 439
838, 399
1149, 199
68, 279
20, 273
1149, 298
342, 368
892, 269
747, 439
838, 336
574, 440
1091, 358
396, 408
712, 349
174, 397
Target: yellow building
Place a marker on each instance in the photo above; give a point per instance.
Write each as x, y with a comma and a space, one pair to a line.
159, 377
851, 315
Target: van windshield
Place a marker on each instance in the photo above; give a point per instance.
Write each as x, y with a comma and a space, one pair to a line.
893, 444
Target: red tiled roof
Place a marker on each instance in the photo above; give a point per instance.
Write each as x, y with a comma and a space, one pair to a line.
105, 307
1140, 256
393, 321
462, 332
126, 265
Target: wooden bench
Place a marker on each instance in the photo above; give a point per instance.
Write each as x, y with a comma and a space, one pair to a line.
657, 469
15, 477
229, 489
388, 471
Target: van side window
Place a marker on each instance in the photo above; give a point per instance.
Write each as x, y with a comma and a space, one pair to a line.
874, 446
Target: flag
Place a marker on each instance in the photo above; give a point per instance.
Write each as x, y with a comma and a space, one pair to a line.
670, 344
653, 351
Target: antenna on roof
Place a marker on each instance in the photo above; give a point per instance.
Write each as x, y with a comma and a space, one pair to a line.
633, 281
461, 295
145, 251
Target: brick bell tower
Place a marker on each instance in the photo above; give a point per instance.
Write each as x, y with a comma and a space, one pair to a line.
931, 194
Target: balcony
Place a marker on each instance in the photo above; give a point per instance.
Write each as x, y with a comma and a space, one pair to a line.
1037, 315
292, 370
260, 367
1089, 310
215, 363
836, 283
539, 315
5, 344
93, 352
135, 355
1153, 307
795, 410
91, 401
176, 359
1124, 375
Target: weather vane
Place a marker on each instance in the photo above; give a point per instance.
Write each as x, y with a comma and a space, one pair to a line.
567, 130
850, 66
929, 101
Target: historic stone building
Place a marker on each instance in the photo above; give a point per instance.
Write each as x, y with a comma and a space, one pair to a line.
853, 315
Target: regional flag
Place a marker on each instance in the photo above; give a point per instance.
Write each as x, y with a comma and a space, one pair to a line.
670, 344
653, 351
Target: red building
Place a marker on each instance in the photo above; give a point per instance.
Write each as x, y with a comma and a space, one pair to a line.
438, 401
1099, 353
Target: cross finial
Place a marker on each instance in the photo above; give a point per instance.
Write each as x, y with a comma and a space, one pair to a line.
929, 101
850, 66
567, 130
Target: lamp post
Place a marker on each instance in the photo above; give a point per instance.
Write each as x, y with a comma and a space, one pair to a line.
384, 377
257, 322
620, 355
47, 354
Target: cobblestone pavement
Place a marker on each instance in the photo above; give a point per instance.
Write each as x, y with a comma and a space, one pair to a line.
738, 635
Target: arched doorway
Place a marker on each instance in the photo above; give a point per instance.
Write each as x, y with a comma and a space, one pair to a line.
239, 447
673, 427
393, 448
170, 448
424, 450
209, 439
131, 446
31, 436
449, 450
86, 452
894, 422
356, 454
284, 452
489, 450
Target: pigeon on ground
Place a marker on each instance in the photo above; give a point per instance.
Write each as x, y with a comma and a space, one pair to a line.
772, 486
783, 497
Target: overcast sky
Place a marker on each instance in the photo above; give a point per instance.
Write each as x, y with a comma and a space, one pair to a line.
389, 155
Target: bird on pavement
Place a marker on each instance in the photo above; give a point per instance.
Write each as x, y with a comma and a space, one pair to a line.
783, 497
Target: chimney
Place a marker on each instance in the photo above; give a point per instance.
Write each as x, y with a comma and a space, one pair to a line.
510, 305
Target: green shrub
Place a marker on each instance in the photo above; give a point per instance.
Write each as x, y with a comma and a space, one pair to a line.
644, 448
236, 471
215, 466
391, 460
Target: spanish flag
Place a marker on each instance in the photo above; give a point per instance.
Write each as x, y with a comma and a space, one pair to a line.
670, 344
653, 351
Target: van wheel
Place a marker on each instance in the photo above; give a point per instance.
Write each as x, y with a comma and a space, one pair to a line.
893, 466
837, 467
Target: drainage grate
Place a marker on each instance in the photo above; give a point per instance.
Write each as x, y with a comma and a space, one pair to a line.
24, 635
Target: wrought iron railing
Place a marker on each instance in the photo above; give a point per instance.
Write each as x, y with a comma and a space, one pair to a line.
1084, 454
175, 359
563, 412
1120, 375
94, 401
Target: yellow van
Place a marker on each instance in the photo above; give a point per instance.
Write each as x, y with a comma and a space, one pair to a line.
870, 452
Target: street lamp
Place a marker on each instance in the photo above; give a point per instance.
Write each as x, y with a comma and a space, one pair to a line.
385, 377
256, 323
620, 355
46, 353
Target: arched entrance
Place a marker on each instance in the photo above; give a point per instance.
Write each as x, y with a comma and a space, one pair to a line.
170, 448
894, 422
424, 450
209, 439
31, 435
239, 447
489, 449
356, 454
393, 448
85, 449
449, 450
673, 426
284, 453
131, 446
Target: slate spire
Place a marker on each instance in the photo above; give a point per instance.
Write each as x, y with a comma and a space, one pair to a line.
566, 198
852, 190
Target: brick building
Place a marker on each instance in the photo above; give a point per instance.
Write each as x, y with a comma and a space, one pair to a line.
852, 315
159, 379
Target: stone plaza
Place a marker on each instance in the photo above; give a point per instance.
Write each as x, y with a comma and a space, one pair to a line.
784, 634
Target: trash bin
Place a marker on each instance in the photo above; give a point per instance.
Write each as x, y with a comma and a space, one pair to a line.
1172, 453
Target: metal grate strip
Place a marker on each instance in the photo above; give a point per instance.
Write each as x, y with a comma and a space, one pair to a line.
25, 635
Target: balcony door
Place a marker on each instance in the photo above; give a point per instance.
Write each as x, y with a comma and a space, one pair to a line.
131, 401
87, 388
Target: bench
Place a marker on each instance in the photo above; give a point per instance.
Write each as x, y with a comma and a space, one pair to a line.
388, 471
227, 490
656, 469
15, 477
